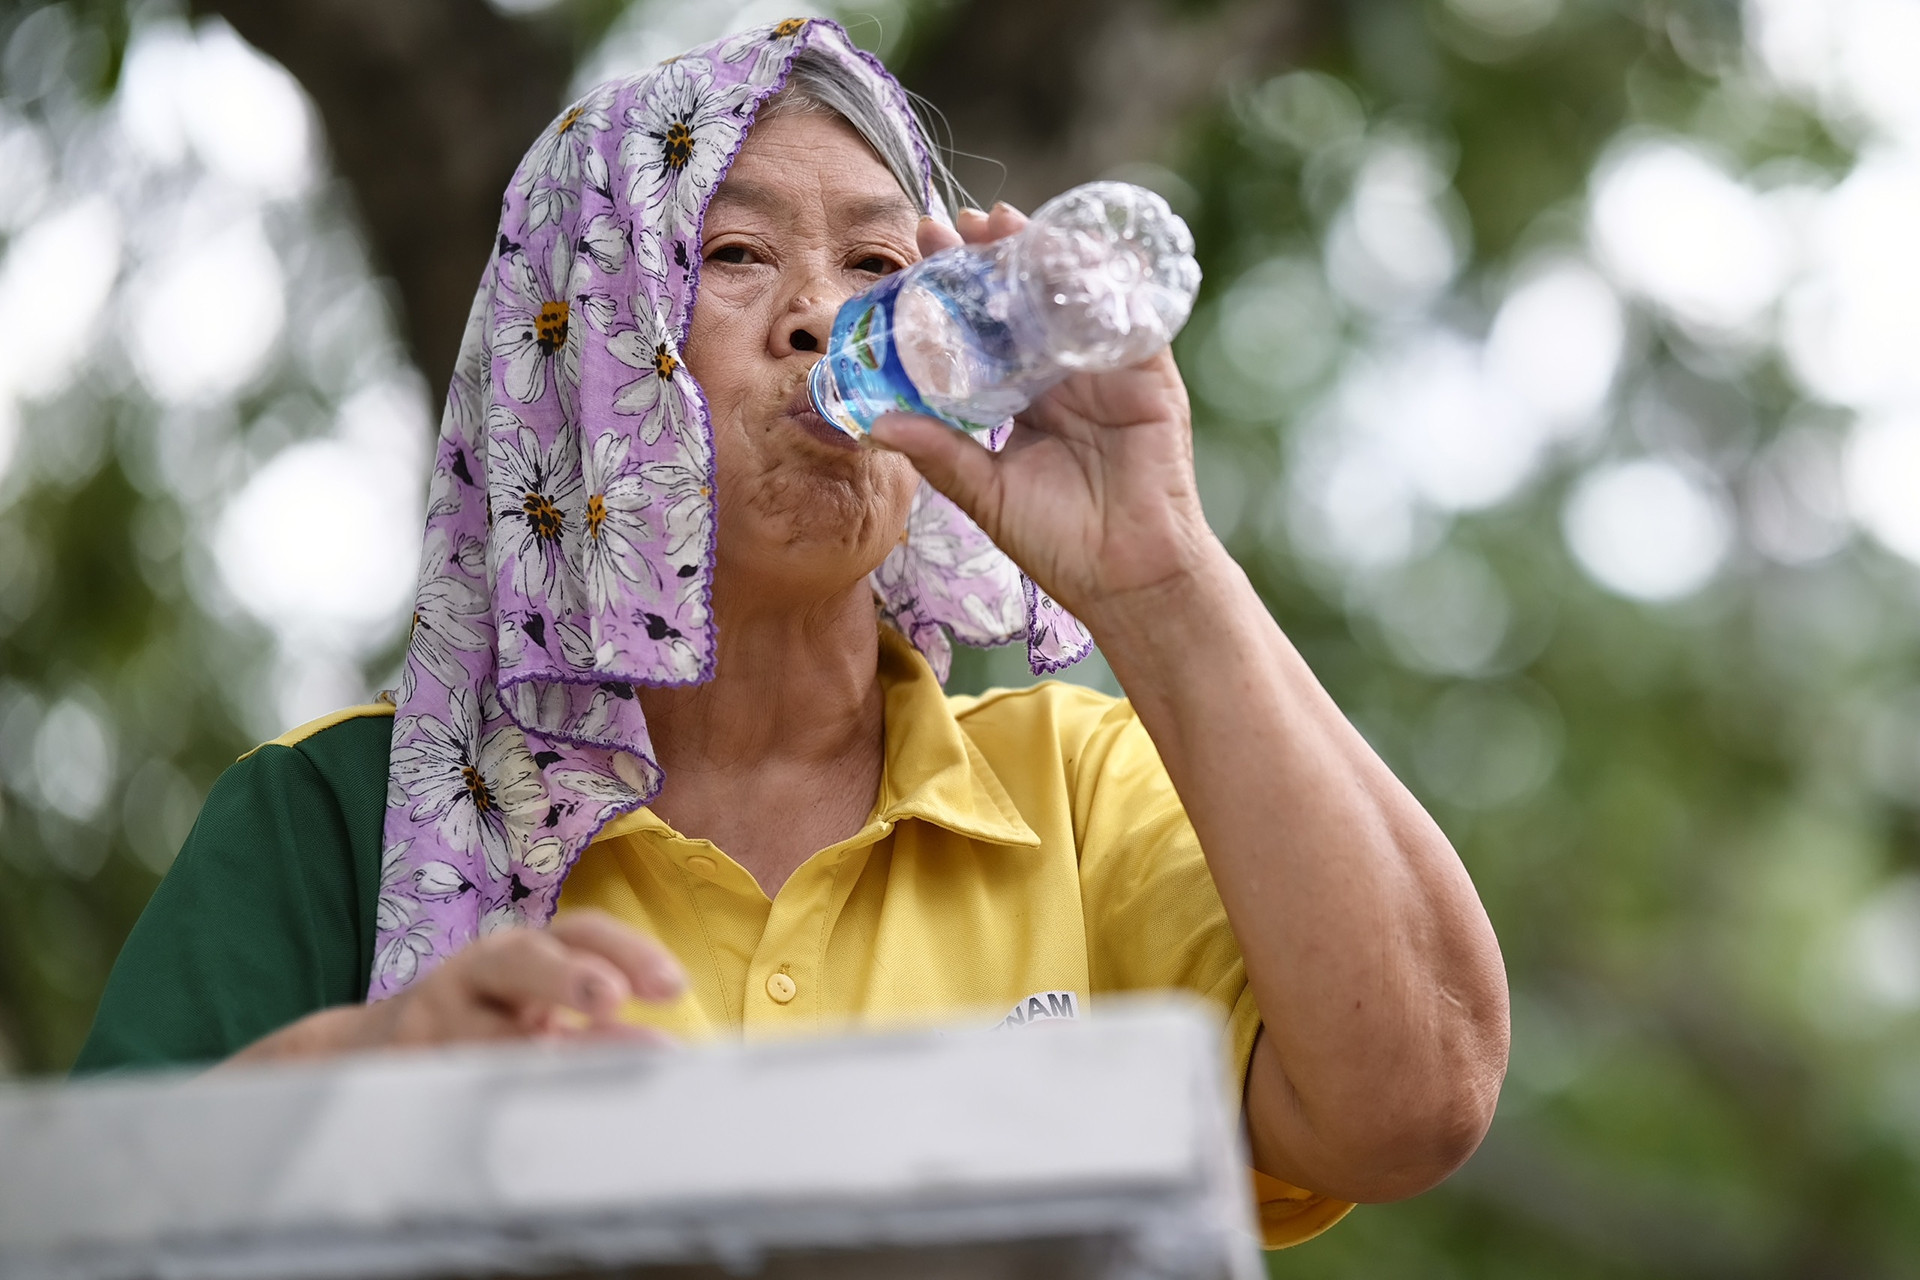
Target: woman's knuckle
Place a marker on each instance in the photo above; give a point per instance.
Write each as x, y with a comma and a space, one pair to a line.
515, 941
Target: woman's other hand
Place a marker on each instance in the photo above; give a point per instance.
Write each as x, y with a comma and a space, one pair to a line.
1093, 494
567, 981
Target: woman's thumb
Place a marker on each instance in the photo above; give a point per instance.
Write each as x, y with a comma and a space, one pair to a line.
952, 462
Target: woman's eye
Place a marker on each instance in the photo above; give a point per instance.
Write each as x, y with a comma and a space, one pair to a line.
737, 254
875, 265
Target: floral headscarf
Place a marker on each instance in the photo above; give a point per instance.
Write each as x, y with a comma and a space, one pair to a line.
570, 526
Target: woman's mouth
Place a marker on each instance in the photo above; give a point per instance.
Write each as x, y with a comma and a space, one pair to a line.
801, 412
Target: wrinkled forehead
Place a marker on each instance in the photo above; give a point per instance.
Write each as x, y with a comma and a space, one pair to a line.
747, 192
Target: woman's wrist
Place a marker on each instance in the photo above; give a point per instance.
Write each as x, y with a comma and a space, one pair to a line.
1156, 625
1197, 654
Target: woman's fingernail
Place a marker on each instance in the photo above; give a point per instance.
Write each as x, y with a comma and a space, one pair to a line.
590, 992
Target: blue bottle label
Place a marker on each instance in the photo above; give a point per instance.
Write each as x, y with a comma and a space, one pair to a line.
865, 362
866, 366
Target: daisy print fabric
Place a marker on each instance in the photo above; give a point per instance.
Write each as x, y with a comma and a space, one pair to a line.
568, 556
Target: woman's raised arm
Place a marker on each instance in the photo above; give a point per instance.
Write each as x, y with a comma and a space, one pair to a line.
1372, 960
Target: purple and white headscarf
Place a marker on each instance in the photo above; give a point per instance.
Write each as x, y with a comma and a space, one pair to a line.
570, 526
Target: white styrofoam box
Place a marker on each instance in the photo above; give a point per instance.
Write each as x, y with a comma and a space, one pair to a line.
1110, 1140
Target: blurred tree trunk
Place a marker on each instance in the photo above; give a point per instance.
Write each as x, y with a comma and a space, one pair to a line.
1062, 92
427, 106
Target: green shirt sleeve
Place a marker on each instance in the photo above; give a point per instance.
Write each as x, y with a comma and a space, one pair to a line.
266, 914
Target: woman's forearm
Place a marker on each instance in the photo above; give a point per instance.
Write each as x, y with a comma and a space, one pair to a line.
1372, 961
324, 1033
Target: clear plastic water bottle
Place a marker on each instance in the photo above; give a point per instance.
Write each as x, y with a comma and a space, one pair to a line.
1102, 277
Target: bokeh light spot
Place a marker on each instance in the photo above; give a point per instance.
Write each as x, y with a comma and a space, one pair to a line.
1446, 614
1882, 476
322, 542
1646, 530
207, 315
1398, 242
1557, 341
207, 90
56, 278
1675, 227
73, 760
1852, 331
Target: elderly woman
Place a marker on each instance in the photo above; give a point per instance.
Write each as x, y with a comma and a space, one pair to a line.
672, 701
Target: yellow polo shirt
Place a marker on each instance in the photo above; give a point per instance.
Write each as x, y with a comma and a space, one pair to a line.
1026, 856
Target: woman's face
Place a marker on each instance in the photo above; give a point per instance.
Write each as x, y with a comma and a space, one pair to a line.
808, 216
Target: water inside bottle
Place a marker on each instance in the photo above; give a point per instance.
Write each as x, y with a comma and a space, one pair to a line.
1102, 277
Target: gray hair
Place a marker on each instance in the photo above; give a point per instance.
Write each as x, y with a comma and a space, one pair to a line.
819, 82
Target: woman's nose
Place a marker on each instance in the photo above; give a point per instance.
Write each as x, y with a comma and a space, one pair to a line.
807, 320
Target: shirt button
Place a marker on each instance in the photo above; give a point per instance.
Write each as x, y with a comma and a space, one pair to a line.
701, 865
781, 987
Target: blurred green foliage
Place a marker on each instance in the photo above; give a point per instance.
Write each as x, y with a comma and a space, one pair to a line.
1699, 1086
1693, 822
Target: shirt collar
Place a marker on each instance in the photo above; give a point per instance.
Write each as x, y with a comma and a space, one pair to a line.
933, 770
